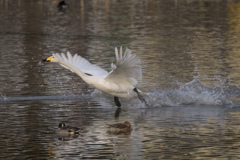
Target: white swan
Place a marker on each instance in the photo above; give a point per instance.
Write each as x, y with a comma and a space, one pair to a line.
120, 82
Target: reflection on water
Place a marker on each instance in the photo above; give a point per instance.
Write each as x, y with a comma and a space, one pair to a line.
190, 58
202, 131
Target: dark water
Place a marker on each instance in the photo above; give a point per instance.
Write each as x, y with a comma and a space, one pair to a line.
190, 54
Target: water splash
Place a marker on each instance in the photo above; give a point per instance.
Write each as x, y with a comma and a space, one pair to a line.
192, 93
53, 97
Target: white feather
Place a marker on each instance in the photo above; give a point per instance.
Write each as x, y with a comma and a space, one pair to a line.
127, 69
119, 82
81, 64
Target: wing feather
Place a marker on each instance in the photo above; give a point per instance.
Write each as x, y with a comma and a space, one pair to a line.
64, 57
70, 58
127, 69
74, 58
81, 63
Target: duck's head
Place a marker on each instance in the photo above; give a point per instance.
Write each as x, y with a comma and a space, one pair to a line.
62, 124
127, 124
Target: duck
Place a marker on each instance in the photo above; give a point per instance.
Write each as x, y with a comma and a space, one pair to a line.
120, 128
64, 130
62, 5
121, 81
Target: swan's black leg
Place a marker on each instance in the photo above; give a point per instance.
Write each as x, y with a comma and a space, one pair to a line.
139, 96
117, 112
117, 102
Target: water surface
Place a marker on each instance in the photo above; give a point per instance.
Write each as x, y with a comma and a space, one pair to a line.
190, 58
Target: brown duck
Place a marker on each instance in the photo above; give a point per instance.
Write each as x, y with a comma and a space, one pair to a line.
119, 128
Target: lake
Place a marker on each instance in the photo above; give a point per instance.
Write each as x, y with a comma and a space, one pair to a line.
190, 54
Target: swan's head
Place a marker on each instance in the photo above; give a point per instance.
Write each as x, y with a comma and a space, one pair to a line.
54, 58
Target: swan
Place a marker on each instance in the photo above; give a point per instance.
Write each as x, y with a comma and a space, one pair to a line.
120, 82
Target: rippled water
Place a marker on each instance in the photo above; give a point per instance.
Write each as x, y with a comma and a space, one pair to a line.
190, 57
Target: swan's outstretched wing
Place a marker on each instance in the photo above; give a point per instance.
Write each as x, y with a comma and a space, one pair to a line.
81, 63
127, 69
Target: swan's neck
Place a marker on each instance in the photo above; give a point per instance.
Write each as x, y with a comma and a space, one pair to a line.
75, 70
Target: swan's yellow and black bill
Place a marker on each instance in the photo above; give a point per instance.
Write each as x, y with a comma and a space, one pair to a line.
47, 59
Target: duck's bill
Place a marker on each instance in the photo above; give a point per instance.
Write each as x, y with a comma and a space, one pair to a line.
47, 59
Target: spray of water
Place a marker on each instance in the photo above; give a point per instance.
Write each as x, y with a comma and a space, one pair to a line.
192, 93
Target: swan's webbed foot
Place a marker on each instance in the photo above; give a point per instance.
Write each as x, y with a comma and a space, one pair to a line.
117, 102
140, 96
